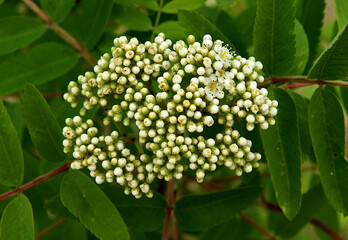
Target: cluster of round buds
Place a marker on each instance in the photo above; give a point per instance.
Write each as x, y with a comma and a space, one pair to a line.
172, 93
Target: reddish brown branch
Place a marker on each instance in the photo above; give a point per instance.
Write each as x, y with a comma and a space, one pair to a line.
61, 32
315, 222
301, 81
49, 228
45, 95
171, 204
257, 226
36, 181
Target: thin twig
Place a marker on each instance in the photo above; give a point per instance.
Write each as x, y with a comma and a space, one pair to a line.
314, 221
257, 226
158, 17
171, 204
49, 228
36, 181
61, 32
45, 95
301, 81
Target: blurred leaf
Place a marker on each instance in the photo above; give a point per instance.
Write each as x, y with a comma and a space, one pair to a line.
17, 221
197, 212
274, 37
227, 230
57, 10
43, 127
17, 32
69, 230
313, 200
341, 12
38, 65
302, 118
332, 64
55, 207
238, 29
194, 23
302, 50
311, 14
88, 20
327, 215
172, 30
137, 235
281, 143
11, 156
150, 4
326, 125
175, 5
87, 202
142, 214
132, 19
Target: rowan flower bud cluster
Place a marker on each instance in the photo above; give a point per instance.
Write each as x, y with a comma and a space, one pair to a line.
172, 93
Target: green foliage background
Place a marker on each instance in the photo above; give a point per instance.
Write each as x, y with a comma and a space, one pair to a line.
304, 170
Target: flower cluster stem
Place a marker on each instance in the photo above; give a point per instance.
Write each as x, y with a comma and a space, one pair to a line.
169, 213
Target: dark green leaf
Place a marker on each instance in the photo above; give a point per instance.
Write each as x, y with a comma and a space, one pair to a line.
197, 25
344, 97
15, 112
175, 5
150, 4
88, 21
281, 143
11, 157
227, 230
172, 30
142, 214
132, 19
326, 125
302, 50
274, 37
87, 202
69, 230
302, 118
341, 12
57, 10
199, 212
332, 64
311, 13
38, 65
17, 222
43, 127
313, 200
16, 32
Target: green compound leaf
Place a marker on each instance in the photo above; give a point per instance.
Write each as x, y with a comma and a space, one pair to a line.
88, 21
197, 25
132, 19
144, 214
87, 202
11, 156
302, 118
302, 50
43, 127
341, 12
313, 200
38, 65
198, 212
17, 222
57, 10
326, 125
274, 37
174, 6
311, 13
172, 30
17, 32
332, 64
281, 143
